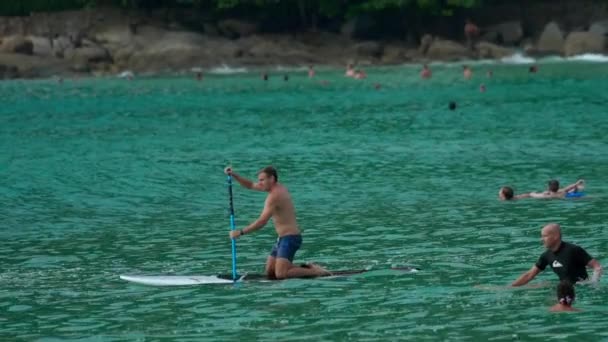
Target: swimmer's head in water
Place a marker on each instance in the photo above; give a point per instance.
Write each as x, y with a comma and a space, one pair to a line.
565, 292
505, 193
452, 105
553, 185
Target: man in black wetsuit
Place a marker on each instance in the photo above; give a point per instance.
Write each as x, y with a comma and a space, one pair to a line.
567, 260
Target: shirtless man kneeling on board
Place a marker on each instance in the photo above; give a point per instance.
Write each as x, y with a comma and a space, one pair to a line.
280, 208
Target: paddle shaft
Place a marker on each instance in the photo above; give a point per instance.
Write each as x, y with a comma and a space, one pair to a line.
232, 227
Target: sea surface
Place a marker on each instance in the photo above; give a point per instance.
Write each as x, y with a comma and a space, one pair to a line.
104, 176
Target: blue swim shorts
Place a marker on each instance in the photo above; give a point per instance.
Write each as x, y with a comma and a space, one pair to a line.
286, 247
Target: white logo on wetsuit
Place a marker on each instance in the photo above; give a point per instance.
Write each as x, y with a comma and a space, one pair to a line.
556, 264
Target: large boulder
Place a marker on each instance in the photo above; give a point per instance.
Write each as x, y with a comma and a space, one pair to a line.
121, 56
447, 50
551, 40
263, 48
90, 54
41, 45
118, 35
155, 49
493, 51
369, 49
17, 44
62, 45
8, 72
490, 37
425, 43
234, 29
32, 66
508, 33
584, 42
13, 25
599, 27
393, 54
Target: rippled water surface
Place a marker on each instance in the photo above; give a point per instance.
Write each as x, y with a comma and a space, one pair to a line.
105, 177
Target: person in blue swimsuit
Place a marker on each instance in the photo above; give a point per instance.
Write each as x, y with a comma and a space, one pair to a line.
278, 206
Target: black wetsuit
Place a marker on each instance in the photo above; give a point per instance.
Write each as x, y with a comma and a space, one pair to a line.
569, 262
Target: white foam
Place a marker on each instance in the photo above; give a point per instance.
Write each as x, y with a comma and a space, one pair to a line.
553, 59
125, 74
589, 57
292, 69
518, 58
227, 70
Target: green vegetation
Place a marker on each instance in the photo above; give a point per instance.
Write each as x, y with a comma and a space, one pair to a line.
325, 8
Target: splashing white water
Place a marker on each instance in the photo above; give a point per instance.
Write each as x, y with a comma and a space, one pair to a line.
517, 58
226, 70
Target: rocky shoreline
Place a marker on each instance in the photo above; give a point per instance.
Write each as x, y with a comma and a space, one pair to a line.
109, 41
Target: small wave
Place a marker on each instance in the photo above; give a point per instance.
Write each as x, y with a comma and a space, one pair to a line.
589, 57
457, 64
125, 74
517, 58
226, 70
290, 68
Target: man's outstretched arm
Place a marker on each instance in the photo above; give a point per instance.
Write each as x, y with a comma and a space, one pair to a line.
572, 186
526, 277
246, 183
265, 216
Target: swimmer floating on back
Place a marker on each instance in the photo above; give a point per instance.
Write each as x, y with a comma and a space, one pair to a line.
506, 193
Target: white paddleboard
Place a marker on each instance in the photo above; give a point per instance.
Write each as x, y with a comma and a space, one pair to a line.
175, 280
166, 280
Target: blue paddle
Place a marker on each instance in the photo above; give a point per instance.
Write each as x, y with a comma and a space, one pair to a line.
232, 227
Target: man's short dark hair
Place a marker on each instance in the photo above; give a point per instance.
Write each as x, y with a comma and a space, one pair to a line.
270, 171
553, 185
507, 191
565, 292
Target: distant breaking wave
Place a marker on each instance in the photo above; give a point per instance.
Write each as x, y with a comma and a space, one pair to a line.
290, 68
126, 74
518, 58
226, 70
589, 57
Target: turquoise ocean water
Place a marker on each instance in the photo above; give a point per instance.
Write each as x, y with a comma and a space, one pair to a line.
102, 177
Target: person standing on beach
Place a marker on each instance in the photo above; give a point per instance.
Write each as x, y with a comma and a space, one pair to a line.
471, 32
278, 207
